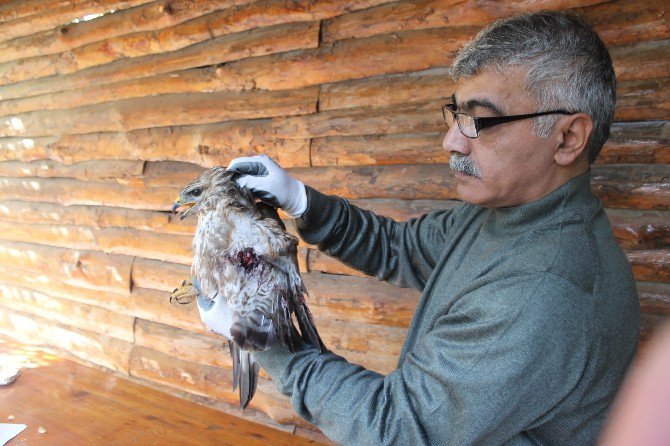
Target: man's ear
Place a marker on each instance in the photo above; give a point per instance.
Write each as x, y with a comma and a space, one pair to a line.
573, 132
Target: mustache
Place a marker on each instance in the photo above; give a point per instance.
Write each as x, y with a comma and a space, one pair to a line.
464, 164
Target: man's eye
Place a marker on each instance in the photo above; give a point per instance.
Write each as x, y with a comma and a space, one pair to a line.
196, 192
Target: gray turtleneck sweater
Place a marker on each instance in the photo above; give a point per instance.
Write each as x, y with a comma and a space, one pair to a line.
527, 322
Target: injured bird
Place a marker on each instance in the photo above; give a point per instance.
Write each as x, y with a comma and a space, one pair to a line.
245, 268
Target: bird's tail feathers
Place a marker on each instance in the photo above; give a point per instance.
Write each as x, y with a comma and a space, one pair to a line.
245, 373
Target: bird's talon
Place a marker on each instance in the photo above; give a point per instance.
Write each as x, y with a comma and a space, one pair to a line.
185, 294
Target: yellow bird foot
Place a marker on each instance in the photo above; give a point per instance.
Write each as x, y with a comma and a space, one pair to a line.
185, 294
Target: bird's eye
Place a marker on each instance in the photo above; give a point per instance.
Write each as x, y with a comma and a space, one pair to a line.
196, 192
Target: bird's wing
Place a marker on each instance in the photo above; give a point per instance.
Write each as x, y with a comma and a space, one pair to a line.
293, 300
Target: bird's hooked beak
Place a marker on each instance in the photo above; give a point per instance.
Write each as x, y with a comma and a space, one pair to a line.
181, 208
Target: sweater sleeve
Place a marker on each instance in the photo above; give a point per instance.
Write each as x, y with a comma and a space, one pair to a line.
401, 253
482, 375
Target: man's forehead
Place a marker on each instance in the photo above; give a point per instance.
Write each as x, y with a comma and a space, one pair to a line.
470, 103
492, 89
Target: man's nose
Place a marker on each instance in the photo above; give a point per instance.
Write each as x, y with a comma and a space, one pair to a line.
455, 141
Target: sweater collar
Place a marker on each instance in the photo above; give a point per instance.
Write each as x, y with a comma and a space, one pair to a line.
570, 198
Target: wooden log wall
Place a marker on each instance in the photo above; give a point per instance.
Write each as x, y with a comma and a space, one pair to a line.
108, 107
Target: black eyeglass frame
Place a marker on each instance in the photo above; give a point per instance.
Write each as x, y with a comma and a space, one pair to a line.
483, 123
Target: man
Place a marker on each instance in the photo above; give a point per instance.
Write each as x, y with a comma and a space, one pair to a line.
528, 317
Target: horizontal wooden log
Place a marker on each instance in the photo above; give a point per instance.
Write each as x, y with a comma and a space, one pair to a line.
253, 15
95, 217
213, 382
115, 171
632, 185
87, 269
247, 44
13, 10
159, 275
608, 18
386, 90
207, 145
125, 241
624, 22
88, 170
361, 299
147, 304
429, 14
131, 242
102, 350
55, 286
131, 173
640, 230
67, 192
147, 17
64, 236
398, 53
654, 298
160, 111
637, 142
182, 344
650, 265
58, 13
422, 117
643, 100
641, 60
66, 312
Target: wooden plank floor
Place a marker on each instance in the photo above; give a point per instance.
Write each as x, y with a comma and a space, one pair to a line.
81, 405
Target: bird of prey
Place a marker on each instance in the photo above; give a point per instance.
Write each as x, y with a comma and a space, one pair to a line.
245, 265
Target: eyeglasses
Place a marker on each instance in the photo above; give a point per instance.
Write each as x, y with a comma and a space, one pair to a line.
471, 125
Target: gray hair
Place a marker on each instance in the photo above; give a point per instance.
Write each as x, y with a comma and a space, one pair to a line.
568, 67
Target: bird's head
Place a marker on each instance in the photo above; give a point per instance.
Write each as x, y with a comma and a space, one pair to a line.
215, 182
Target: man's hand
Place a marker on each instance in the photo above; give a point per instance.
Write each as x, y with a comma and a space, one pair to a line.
272, 184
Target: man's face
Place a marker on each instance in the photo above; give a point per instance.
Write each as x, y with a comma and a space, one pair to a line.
512, 166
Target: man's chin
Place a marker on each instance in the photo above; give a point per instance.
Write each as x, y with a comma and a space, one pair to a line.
469, 190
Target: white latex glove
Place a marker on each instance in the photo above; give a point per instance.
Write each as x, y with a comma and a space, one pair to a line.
272, 184
216, 314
